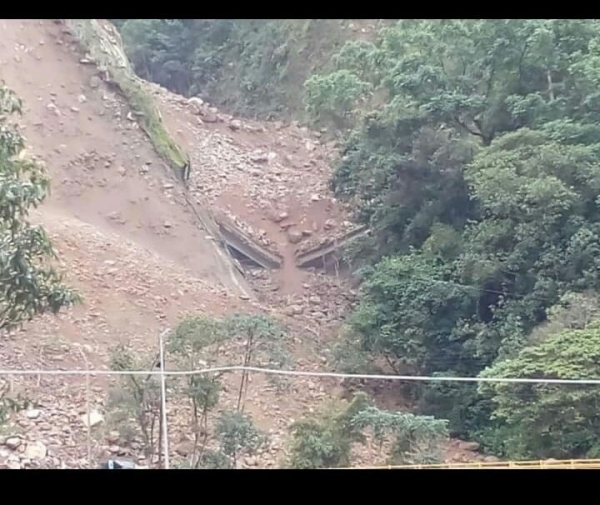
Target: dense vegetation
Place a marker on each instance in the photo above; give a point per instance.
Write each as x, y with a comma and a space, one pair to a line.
324, 440
478, 171
255, 67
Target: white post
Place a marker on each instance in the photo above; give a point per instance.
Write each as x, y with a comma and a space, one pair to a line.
164, 400
88, 407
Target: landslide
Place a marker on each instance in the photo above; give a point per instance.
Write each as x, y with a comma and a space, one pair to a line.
130, 243
104, 170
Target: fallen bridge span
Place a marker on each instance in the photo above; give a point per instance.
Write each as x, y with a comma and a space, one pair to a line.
237, 240
327, 254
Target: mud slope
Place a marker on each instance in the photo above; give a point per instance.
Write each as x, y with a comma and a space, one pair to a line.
127, 245
103, 169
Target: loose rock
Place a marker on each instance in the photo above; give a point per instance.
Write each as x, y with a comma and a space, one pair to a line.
12, 442
96, 418
33, 414
294, 236
34, 451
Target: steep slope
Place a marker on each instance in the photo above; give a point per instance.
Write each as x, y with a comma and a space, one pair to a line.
126, 239
249, 67
126, 242
134, 250
80, 129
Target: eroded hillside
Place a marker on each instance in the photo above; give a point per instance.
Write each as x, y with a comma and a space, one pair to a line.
134, 249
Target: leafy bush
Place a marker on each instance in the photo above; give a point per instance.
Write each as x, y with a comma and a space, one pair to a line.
30, 285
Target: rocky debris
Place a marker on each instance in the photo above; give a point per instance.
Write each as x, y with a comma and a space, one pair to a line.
36, 450
235, 125
131, 293
12, 442
324, 303
95, 419
198, 107
468, 446
259, 235
278, 217
295, 236
53, 108
196, 104
33, 414
95, 82
259, 157
335, 232
292, 163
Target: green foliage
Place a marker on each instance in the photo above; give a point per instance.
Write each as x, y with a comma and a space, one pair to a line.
349, 355
11, 403
549, 420
326, 441
237, 437
416, 439
264, 345
575, 311
251, 66
160, 50
29, 285
134, 404
334, 96
472, 152
151, 122
411, 312
478, 171
197, 341
197, 338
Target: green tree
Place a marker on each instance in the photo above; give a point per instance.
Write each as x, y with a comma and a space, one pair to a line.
30, 286
549, 420
334, 96
197, 342
136, 398
237, 437
415, 439
263, 345
162, 50
325, 441
411, 314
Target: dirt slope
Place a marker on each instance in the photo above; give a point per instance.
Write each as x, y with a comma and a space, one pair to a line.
125, 241
103, 169
135, 252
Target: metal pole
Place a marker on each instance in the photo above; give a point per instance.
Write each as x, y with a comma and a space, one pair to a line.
164, 400
88, 407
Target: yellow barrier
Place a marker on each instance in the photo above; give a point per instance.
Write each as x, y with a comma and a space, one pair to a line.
570, 464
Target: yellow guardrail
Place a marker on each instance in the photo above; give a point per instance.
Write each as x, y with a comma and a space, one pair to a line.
568, 464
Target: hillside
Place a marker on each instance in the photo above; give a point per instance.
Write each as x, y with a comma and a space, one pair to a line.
250, 67
132, 246
467, 151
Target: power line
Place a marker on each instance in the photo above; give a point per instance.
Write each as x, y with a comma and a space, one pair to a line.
302, 373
